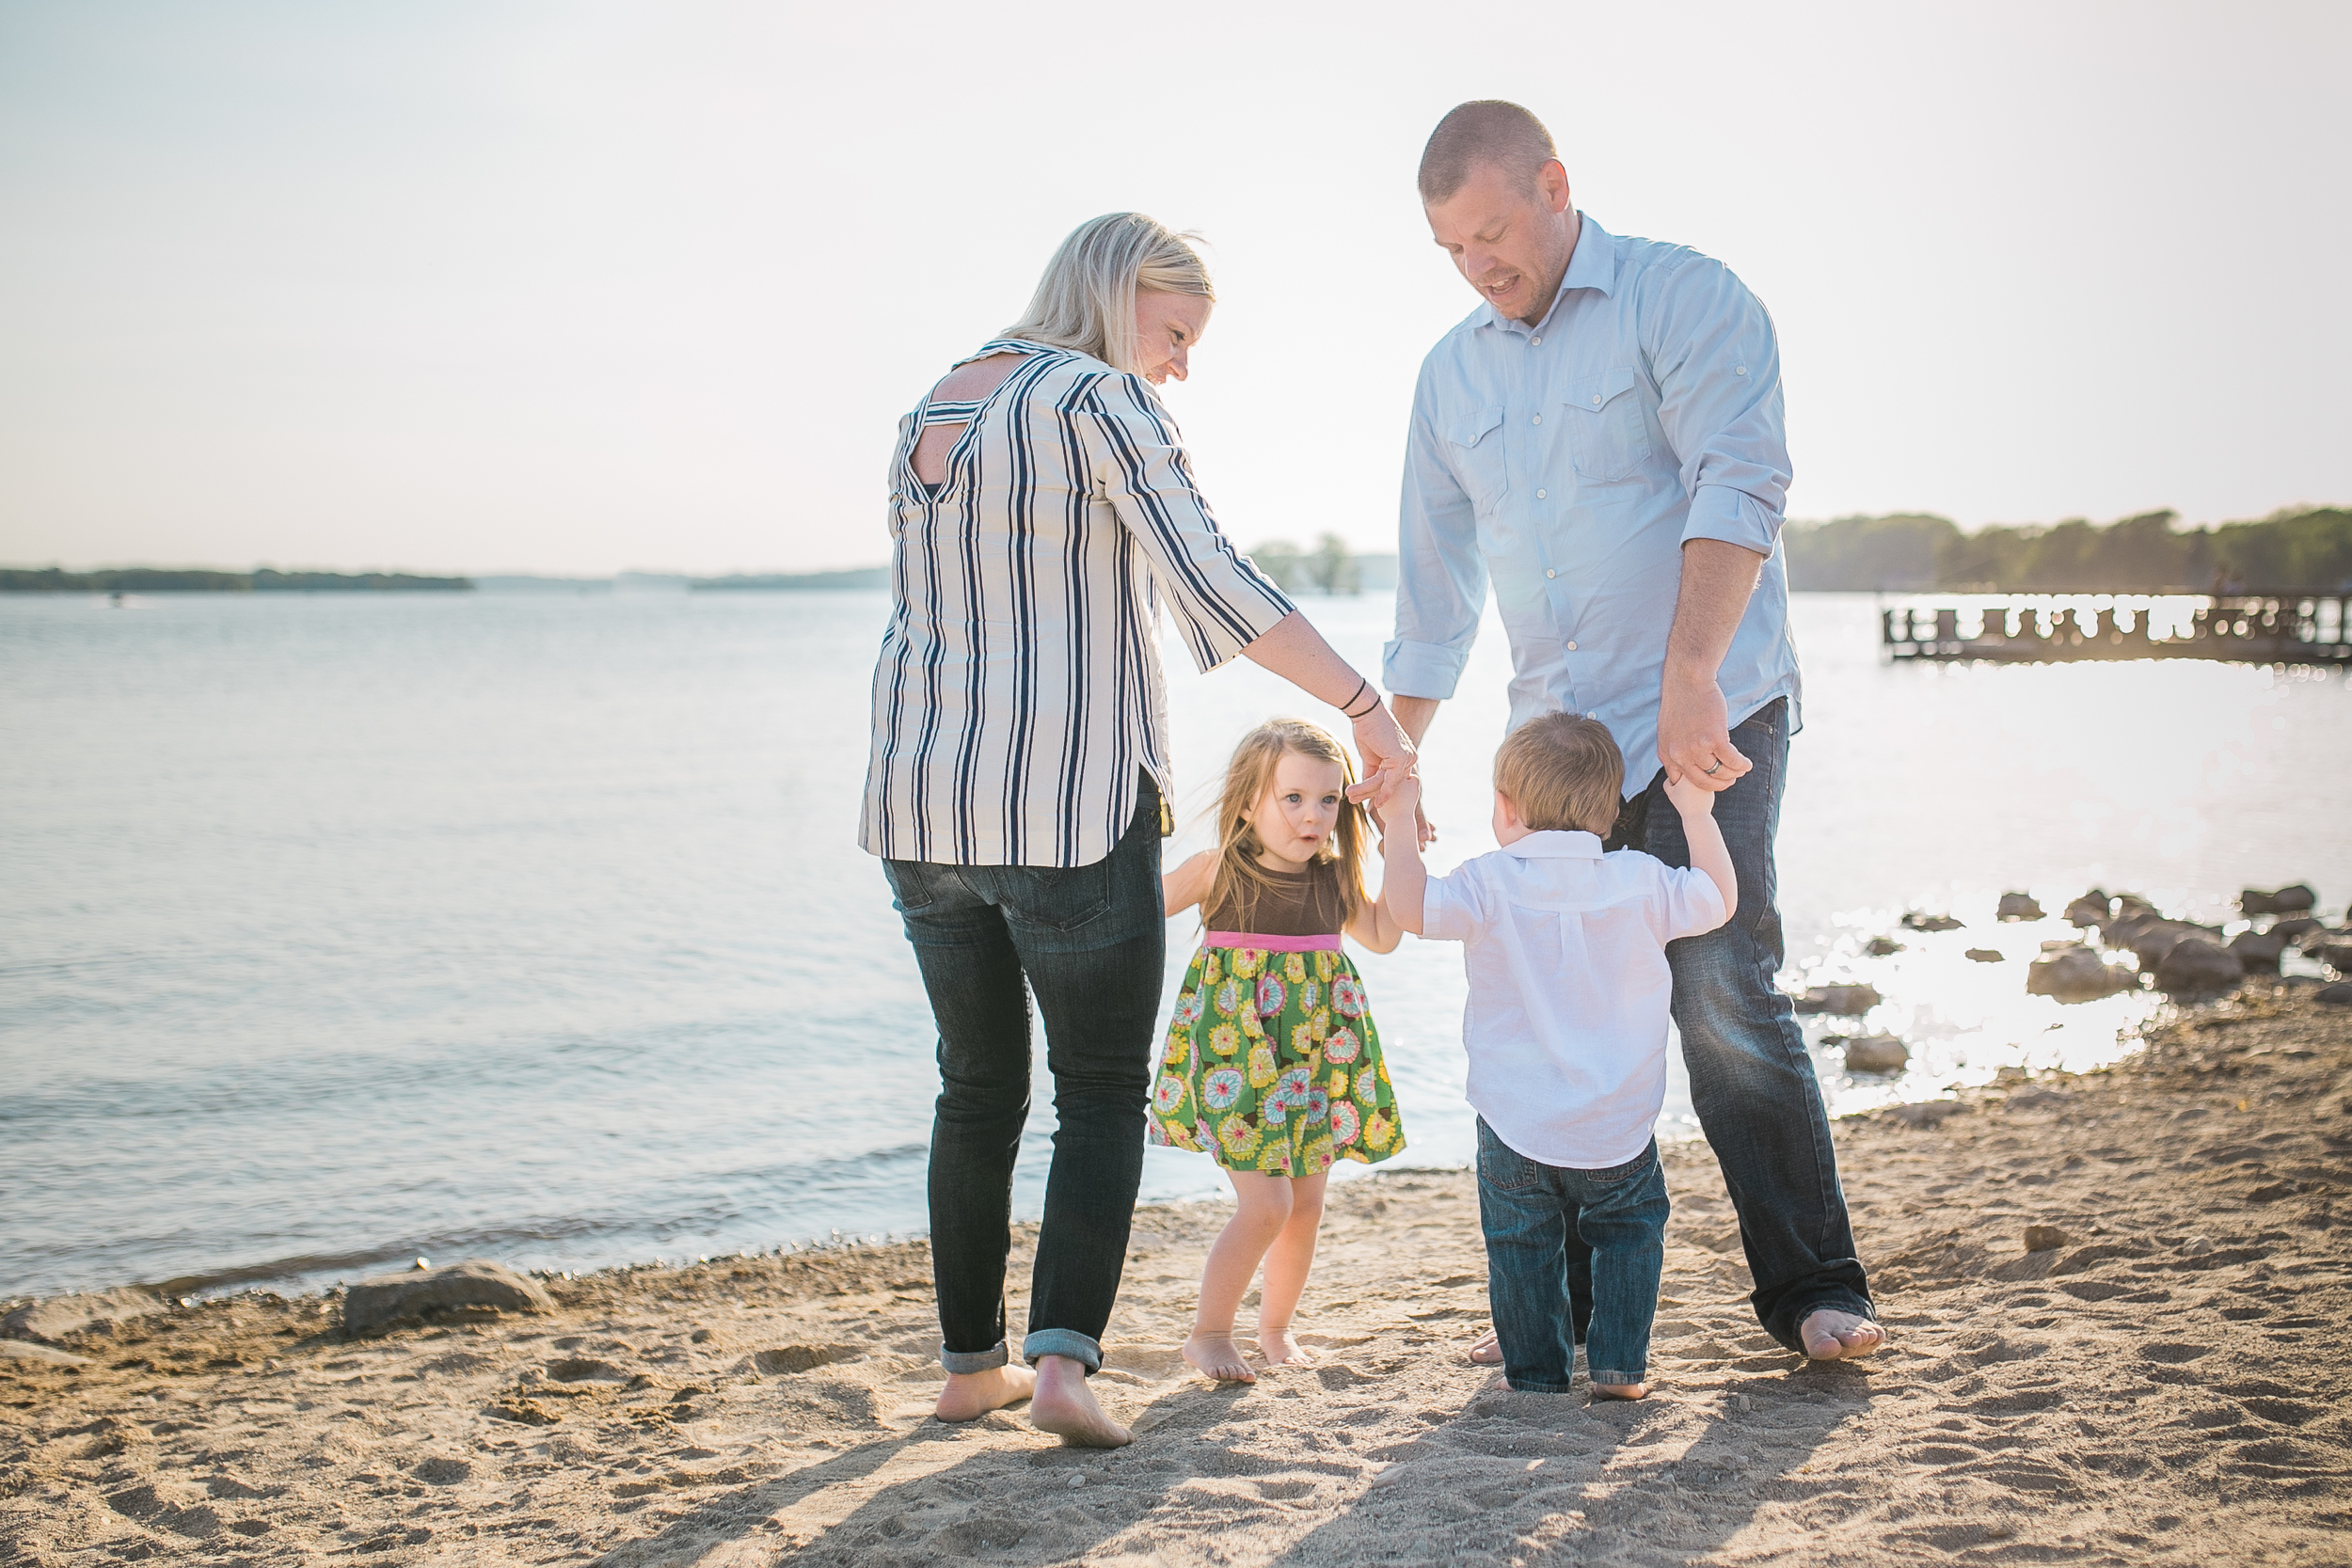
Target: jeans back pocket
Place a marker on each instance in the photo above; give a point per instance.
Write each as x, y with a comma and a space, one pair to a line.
1499, 1165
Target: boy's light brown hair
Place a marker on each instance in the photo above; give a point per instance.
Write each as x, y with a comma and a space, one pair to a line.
1561, 770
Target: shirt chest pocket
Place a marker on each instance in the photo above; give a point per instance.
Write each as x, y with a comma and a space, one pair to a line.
1474, 447
1608, 437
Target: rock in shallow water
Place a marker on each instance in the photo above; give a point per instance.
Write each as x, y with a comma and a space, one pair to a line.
1982, 954
2076, 973
2018, 906
374, 1305
1918, 922
1876, 1053
2197, 966
2258, 950
2337, 995
2091, 909
2285, 900
1838, 1001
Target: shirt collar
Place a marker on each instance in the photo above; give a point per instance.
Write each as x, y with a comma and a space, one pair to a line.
1557, 844
1592, 264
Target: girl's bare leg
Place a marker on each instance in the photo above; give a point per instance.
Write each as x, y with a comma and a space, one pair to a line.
1287, 1262
1261, 1209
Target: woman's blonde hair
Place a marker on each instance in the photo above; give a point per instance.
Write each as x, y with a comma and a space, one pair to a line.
1087, 299
1240, 880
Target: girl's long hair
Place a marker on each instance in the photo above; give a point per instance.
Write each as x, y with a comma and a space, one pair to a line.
1240, 881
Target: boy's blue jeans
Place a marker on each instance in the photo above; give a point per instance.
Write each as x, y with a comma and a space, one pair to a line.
1549, 1225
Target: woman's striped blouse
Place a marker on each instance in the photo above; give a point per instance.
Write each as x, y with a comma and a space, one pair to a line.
1018, 697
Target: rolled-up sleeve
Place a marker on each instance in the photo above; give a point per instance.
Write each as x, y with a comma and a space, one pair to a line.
1689, 903
1442, 576
1711, 346
1221, 603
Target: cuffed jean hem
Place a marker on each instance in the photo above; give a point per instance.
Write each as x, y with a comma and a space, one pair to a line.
973, 1360
1615, 1380
1063, 1342
1528, 1385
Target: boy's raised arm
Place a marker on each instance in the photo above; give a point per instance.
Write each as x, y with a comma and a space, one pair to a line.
1708, 854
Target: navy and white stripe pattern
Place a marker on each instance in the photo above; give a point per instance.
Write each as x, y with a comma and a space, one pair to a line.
1018, 695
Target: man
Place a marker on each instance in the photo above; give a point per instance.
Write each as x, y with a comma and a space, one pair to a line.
1602, 440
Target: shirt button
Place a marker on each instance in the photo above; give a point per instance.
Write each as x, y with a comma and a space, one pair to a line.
1539, 342
1539, 419
1596, 399
1571, 647
1550, 573
1739, 370
1539, 495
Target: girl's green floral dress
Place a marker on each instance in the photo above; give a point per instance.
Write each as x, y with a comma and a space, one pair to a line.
1273, 1064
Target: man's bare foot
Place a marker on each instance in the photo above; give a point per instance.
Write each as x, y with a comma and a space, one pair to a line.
1830, 1335
970, 1396
1218, 1357
1488, 1352
1065, 1406
1280, 1350
1620, 1390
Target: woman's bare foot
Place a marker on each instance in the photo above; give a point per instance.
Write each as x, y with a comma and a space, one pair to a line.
1280, 1350
1065, 1406
1217, 1355
1833, 1336
1488, 1352
1620, 1390
970, 1396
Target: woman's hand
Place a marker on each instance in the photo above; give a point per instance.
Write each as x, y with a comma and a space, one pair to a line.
1389, 756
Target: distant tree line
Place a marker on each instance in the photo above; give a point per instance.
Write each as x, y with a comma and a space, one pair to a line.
157, 580
2294, 551
1328, 567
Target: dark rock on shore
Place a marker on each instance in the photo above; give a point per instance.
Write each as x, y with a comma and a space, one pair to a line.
2197, 966
2337, 995
2150, 936
1982, 954
2285, 900
51, 1321
1879, 947
2046, 1238
2018, 906
2295, 927
473, 1285
1838, 1001
2073, 972
2259, 950
1918, 922
2091, 909
2335, 955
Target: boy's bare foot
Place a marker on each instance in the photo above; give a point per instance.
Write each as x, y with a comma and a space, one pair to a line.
1218, 1357
1830, 1335
1280, 1350
1488, 1352
1065, 1406
970, 1396
1620, 1390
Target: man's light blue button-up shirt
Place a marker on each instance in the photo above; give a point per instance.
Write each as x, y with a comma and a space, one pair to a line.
1568, 463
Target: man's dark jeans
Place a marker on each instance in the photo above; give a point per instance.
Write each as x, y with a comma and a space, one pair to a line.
1091, 942
1750, 1080
1549, 1225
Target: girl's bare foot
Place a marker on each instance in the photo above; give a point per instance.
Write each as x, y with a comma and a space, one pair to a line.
1833, 1336
1065, 1406
1280, 1350
970, 1396
1488, 1352
1216, 1355
1620, 1390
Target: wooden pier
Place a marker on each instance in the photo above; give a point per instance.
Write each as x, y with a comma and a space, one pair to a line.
2041, 629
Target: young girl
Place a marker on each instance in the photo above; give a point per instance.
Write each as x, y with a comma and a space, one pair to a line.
1273, 1066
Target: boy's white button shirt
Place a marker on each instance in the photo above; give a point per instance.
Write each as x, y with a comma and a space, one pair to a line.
1569, 989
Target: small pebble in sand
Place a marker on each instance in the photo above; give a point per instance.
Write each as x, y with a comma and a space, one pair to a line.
2045, 1238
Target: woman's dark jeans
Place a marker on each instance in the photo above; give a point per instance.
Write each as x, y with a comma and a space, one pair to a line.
1751, 1081
1547, 1226
1091, 942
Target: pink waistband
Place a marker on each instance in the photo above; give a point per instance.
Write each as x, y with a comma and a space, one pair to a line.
1274, 944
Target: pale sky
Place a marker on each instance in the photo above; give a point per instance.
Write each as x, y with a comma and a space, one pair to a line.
569, 287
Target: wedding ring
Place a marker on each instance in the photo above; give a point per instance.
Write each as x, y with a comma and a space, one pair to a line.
1710, 772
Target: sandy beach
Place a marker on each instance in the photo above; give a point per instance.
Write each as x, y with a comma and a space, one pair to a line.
2163, 1380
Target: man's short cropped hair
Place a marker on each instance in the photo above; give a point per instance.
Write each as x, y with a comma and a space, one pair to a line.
1484, 130
1561, 770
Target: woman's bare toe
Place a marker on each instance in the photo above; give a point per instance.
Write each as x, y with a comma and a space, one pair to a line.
1280, 1350
1620, 1390
970, 1396
1488, 1352
1216, 1355
1830, 1335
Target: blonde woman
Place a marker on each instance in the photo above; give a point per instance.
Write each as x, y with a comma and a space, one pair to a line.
1042, 512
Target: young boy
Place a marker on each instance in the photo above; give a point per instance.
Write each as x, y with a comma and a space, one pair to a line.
1566, 1034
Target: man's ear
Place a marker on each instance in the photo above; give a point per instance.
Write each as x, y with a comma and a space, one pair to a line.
1551, 185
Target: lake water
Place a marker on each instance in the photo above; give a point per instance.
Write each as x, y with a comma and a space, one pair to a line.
340, 929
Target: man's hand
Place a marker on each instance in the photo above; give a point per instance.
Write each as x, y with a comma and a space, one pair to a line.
1388, 756
1694, 736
